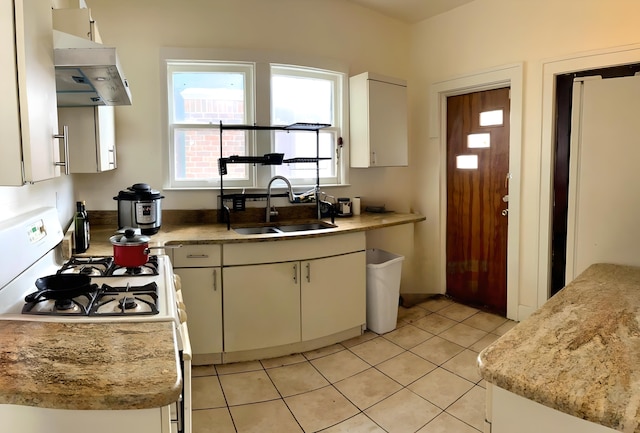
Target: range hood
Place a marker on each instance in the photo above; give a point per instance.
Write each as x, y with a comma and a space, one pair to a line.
87, 73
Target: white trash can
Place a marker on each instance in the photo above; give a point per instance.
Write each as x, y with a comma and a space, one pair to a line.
383, 290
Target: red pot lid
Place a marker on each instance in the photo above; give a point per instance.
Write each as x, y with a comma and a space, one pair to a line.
129, 238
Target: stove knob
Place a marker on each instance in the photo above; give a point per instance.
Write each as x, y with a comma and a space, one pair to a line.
177, 282
182, 315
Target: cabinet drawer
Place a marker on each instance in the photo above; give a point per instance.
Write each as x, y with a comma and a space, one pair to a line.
196, 256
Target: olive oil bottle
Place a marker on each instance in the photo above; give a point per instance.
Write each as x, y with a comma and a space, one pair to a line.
81, 221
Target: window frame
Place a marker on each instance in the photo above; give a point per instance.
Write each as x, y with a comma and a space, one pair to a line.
261, 112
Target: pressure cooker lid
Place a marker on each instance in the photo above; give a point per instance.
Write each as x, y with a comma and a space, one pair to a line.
139, 191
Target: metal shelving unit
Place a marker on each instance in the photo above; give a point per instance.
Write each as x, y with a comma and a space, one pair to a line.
270, 158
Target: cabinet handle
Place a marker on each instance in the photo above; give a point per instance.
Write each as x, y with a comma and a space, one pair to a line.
197, 256
215, 280
295, 273
373, 158
308, 265
65, 142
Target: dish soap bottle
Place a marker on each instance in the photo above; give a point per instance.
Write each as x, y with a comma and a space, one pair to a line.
81, 221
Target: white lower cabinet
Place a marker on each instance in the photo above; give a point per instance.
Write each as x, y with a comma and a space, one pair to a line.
333, 294
261, 306
509, 412
272, 294
271, 299
29, 419
199, 269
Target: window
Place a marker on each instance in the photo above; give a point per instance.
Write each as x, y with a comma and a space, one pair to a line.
202, 94
310, 96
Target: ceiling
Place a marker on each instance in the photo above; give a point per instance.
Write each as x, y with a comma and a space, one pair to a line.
411, 11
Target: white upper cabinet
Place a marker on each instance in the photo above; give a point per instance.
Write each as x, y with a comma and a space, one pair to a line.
91, 129
378, 121
77, 22
91, 138
28, 86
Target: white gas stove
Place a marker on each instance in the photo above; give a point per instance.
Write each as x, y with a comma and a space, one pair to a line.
146, 293
31, 250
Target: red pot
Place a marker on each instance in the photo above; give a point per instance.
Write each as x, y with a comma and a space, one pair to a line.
130, 250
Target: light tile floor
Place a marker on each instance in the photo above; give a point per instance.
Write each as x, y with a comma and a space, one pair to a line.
421, 377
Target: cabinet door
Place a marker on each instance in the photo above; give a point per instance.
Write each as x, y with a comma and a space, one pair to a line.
37, 89
388, 124
106, 137
333, 294
202, 293
91, 138
261, 306
76, 21
11, 154
378, 121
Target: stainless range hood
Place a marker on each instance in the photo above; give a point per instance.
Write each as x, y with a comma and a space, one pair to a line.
87, 73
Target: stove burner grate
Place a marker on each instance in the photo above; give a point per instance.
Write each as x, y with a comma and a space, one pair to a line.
77, 306
106, 267
102, 300
92, 266
149, 268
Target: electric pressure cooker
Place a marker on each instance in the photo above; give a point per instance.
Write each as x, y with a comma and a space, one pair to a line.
139, 206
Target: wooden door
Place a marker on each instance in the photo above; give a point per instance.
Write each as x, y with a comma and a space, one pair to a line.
477, 200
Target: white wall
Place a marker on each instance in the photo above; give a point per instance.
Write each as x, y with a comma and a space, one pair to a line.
486, 34
56, 193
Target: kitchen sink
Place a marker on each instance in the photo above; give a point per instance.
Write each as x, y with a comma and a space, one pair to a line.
284, 228
288, 228
255, 230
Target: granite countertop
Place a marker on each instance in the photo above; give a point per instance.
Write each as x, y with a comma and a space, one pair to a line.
212, 233
580, 352
88, 365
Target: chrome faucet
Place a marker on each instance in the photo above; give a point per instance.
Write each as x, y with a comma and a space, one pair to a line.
274, 212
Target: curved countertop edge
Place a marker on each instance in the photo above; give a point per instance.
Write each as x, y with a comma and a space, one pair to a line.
88, 366
216, 233
580, 352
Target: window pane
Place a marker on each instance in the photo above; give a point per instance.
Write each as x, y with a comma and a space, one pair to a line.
479, 141
208, 97
197, 151
303, 145
301, 99
491, 118
467, 162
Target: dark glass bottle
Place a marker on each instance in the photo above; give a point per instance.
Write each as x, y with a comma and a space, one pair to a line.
82, 235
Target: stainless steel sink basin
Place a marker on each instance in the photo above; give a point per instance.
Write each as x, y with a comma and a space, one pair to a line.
284, 228
288, 228
255, 230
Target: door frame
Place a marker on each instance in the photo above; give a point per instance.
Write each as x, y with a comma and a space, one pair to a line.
503, 76
578, 62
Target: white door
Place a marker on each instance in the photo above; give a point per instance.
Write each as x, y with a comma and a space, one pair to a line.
604, 205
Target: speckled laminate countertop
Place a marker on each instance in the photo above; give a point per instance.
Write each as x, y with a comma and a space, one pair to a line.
580, 352
88, 365
218, 233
